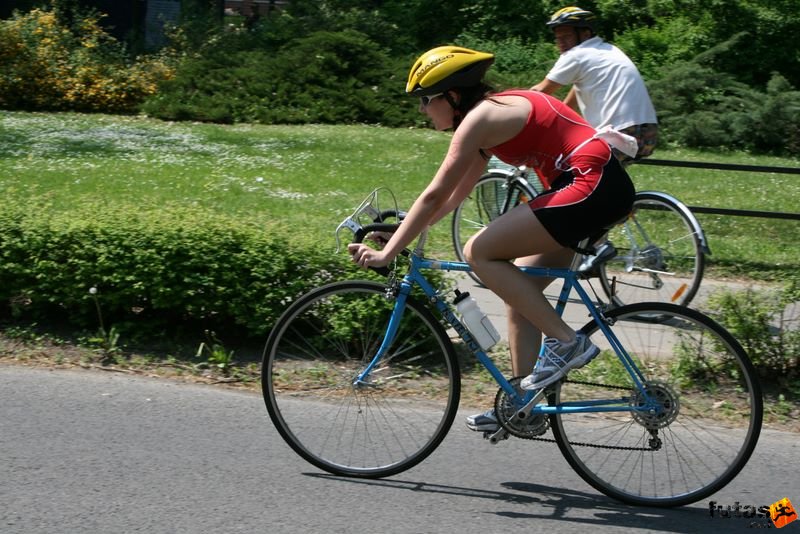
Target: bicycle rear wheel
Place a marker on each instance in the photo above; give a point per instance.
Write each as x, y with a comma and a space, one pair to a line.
492, 196
659, 255
314, 353
710, 409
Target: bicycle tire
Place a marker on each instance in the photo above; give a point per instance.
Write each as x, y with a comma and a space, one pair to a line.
493, 194
711, 400
314, 352
659, 255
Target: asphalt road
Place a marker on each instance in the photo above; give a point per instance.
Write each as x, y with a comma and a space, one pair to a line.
98, 452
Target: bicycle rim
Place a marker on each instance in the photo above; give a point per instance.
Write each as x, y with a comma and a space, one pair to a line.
659, 256
493, 195
315, 351
709, 417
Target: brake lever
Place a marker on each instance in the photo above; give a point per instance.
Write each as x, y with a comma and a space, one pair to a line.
360, 232
351, 225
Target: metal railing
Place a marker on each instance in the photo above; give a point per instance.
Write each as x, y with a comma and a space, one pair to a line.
730, 167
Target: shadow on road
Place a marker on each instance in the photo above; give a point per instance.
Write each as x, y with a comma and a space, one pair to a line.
575, 507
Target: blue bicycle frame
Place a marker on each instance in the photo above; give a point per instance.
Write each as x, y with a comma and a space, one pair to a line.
526, 401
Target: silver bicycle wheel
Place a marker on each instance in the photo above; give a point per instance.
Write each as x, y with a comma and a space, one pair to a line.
382, 426
493, 195
659, 255
707, 422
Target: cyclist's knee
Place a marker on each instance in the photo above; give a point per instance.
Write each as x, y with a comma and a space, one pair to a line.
470, 251
515, 319
478, 249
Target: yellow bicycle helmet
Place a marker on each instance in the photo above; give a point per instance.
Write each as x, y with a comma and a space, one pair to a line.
445, 67
573, 16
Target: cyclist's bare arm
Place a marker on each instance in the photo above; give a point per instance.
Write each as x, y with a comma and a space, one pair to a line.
464, 187
489, 124
572, 100
549, 87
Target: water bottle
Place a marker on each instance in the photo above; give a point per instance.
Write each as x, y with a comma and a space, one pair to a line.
478, 324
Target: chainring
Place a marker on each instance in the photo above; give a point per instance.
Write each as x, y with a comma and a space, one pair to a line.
505, 410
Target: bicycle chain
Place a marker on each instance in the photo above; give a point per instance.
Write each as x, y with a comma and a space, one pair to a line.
594, 445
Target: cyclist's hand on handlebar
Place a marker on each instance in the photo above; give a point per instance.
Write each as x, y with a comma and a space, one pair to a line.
365, 256
380, 238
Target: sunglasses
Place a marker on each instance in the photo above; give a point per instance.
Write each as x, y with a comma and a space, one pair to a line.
427, 99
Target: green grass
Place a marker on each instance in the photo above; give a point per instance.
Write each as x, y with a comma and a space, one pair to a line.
309, 177
745, 247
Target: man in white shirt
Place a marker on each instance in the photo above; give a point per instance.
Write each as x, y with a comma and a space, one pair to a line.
607, 88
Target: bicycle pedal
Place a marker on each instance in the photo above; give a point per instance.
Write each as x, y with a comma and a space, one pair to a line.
497, 436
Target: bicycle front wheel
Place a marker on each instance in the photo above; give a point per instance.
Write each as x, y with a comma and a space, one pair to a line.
493, 195
659, 255
382, 425
707, 422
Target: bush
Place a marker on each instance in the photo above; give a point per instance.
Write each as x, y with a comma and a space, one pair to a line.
701, 107
517, 64
774, 125
670, 41
50, 66
760, 322
323, 78
167, 273
169, 270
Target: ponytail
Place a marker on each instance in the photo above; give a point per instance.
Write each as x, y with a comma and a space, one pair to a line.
470, 97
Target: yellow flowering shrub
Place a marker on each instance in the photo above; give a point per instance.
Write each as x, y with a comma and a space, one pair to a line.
47, 66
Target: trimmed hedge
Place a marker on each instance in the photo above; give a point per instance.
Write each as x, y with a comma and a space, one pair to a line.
167, 270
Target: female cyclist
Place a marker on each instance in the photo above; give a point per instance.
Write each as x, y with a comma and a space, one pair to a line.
587, 191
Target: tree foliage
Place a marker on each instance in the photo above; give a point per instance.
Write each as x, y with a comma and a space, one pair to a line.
728, 67
61, 59
325, 77
701, 106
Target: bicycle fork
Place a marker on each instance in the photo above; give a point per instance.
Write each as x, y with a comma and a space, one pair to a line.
400, 296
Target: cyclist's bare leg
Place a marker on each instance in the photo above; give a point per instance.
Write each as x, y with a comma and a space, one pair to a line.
524, 342
517, 234
524, 339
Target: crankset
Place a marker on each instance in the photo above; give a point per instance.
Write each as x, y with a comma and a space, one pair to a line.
519, 422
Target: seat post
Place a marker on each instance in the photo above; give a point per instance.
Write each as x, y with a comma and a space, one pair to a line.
578, 257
